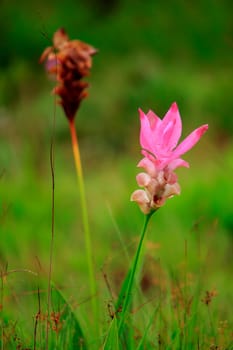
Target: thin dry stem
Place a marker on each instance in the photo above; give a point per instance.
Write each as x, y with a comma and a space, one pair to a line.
52, 220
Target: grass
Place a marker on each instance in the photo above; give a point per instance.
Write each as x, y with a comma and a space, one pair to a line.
187, 254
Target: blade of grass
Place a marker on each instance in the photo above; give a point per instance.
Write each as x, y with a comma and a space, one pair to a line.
112, 340
72, 336
141, 345
1, 309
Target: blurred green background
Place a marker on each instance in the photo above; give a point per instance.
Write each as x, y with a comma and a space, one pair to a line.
151, 54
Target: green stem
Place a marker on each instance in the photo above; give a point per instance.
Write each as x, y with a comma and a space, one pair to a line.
132, 272
79, 171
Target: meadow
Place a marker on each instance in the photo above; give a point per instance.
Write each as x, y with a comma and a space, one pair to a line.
183, 293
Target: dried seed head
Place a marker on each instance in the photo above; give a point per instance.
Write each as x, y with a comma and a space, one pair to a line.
209, 295
69, 61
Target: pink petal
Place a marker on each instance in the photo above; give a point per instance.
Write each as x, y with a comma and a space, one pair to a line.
176, 163
170, 176
171, 128
143, 179
154, 120
171, 190
140, 197
159, 163
162, 162
146, 134
149, 166
190, 141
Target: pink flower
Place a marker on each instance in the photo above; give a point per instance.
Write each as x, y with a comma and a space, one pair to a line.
159, 140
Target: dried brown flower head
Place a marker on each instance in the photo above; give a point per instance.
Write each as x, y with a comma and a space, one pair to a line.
209, 295
70, 61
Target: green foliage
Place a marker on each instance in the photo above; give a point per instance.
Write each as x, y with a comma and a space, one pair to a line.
71, 335
159, 317
144, 339
112, 340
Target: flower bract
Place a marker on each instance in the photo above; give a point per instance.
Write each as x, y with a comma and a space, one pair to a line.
162, 155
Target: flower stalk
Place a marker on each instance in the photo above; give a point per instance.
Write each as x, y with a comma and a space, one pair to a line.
131, 276
79, 172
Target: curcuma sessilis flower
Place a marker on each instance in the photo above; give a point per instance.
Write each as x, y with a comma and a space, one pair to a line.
159, 139
69, 61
